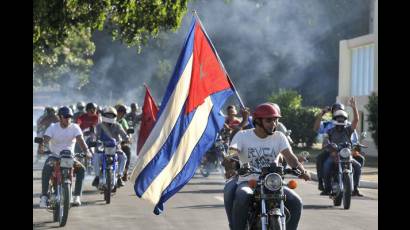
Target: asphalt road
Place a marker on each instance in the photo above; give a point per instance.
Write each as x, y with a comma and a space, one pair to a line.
199, 205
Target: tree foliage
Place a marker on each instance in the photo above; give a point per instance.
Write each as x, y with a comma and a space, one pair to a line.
295, 117
62, 30
373, 118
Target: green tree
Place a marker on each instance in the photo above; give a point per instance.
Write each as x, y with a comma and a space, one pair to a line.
297, 118
288, 100
372, 118
58, 24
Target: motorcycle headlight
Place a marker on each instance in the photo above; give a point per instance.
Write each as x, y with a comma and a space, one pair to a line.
345, 153
273, 181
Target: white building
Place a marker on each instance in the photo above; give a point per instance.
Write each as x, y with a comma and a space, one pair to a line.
358, 73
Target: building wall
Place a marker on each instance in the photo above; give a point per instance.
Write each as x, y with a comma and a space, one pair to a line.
354, 74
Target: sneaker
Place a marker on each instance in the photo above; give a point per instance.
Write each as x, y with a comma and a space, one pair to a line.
125, 177
356, 193
43, 201
120, 183
76, 201
96, 181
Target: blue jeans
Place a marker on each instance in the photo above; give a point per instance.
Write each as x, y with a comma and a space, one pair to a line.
122, 160
236, 201
329, 169
48, 171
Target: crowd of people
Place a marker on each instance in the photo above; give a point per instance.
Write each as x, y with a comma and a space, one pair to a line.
256, 137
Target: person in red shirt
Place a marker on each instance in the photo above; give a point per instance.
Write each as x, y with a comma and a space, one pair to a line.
90, 118
87, 122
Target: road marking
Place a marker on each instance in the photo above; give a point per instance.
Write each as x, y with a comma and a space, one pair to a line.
220, 198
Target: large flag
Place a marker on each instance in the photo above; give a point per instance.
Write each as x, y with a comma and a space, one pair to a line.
149, 116
188, 121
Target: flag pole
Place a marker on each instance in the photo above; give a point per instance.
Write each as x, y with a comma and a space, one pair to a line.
219, 60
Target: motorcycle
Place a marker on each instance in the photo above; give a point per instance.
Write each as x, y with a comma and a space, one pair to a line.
213, 158
59, 191
266, 207
109, 166
342, 178
89, 136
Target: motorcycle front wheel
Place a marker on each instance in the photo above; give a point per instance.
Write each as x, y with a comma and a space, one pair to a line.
107, 191
64, 204
347, 193
275, 223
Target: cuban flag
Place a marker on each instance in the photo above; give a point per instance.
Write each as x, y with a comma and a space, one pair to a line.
187, 123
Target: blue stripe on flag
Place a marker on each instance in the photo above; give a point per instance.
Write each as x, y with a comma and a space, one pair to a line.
214, 125
164, 155
183, 59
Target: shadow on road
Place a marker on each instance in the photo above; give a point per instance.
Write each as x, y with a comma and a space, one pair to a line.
43, 225
314, 206
92, 202
206, 183
90, 192
203, 206
204, 191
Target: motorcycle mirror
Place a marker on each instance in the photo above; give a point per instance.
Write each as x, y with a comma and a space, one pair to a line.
38, 140
292, 184
130, 131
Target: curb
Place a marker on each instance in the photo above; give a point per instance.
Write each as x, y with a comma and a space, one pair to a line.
363, 184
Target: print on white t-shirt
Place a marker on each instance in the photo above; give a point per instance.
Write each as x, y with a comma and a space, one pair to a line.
259, 152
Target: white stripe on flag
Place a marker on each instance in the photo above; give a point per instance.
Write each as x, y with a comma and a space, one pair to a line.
166, 122
188, 142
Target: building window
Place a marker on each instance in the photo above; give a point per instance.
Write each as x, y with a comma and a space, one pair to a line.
362, 80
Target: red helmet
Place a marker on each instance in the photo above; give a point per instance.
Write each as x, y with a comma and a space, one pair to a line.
266, 110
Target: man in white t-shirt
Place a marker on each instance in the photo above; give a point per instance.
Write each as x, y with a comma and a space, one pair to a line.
260, 147
63, 136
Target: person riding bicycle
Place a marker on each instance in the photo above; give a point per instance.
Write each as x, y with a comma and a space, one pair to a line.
62, 136
105, 131
260, 146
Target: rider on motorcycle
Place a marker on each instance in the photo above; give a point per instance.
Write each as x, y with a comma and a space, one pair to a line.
46, 120
133, 116
62, 136
109, 128
341, 133
88, 120
80, 110
322, 127
121, 111
260, 146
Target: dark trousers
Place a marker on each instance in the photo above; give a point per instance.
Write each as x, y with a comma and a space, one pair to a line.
320, 160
